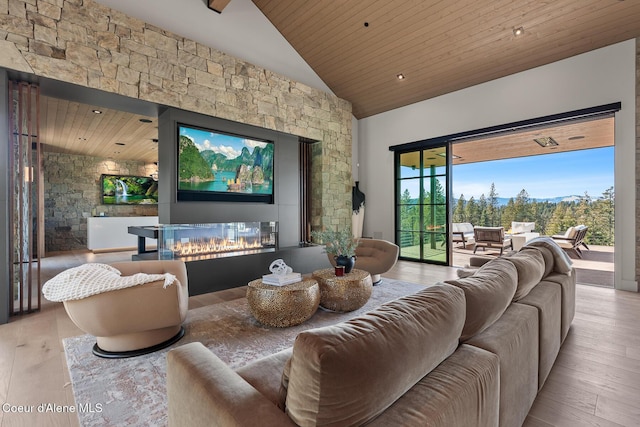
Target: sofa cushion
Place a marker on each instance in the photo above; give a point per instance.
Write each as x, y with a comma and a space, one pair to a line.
514, 338
464, 390
488, 294
347, 374
531, 267
567, 284
549, 259
546, 297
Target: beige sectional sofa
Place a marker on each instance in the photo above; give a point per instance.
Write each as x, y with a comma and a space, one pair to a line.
470, 352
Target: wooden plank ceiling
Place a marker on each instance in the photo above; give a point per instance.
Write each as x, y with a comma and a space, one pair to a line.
580, 135
577, 135
359, 47
74, 128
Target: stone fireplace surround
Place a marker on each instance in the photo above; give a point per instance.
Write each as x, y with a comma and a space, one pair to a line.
87, 44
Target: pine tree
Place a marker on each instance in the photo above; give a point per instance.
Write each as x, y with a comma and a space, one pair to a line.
471, 211
493, 209
482, 211
459, 212
508, 214
601, 227
521, 207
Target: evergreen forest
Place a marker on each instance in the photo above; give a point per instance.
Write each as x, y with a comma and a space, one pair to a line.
550, 218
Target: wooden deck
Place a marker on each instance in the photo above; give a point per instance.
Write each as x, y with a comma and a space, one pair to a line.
594, 268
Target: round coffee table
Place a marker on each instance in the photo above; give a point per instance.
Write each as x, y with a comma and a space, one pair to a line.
282, 306
343, 293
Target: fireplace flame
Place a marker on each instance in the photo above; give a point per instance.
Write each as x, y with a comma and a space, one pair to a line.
204, 246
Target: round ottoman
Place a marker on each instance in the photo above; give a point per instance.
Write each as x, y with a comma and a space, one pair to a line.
282, 306
343, 293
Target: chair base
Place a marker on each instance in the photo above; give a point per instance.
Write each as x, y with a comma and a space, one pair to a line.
139, 352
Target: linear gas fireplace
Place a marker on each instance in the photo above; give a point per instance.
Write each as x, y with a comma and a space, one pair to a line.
204, 241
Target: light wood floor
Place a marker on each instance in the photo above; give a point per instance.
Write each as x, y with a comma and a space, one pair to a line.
595, 380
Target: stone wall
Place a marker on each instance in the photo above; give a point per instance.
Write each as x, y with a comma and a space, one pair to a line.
88, 44
72, 194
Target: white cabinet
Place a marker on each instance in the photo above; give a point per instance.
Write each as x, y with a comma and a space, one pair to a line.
111, 233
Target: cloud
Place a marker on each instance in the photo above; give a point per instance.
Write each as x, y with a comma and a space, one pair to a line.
250, 143
206, 145
228, 151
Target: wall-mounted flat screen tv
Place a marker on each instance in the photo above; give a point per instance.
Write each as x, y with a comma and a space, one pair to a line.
219, 166
128, 190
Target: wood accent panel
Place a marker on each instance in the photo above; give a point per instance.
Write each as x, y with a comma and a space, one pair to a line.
440, 46
218, 5
597, 133
73, 128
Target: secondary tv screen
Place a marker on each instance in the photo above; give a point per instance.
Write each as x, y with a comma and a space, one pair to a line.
217, 166
129, 190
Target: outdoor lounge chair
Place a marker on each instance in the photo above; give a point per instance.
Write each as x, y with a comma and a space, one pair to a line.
572, 239
491, 237
462, 232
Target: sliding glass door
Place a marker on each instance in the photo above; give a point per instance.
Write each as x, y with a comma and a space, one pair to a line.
421, 204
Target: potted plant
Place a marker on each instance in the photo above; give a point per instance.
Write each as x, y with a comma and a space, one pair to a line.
340, 244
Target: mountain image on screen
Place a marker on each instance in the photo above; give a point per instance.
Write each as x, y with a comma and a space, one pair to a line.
204, 166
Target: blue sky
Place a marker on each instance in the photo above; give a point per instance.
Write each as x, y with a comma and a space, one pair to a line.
230, 146
551, 175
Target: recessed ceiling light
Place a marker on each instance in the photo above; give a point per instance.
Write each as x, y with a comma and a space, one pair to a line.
400, 76
518, 31
546, 141
145, 120
96, 111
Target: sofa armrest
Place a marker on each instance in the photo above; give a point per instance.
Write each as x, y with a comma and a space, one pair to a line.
203, 391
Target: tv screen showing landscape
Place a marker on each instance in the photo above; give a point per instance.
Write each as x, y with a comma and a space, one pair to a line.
129, 190
217, 166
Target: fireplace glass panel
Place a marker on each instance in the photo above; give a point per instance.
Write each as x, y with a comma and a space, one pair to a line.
201, 241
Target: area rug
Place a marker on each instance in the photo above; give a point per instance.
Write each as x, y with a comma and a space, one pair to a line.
132, 392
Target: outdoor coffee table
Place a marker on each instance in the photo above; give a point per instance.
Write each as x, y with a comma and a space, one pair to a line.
343, 293
283, 306
520, 239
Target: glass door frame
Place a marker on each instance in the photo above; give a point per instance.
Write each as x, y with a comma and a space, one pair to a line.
423, 233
